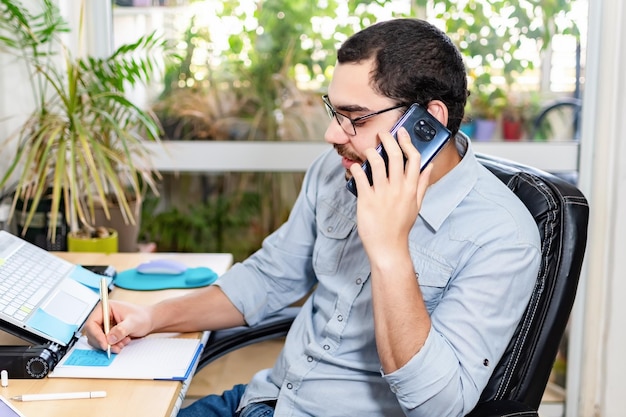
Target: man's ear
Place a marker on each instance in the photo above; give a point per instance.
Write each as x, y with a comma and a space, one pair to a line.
438, 109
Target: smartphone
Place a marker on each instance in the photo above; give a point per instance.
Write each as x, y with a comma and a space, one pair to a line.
7, 409
105, 270
427, 134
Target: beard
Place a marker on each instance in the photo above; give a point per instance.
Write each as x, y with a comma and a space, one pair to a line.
344, 152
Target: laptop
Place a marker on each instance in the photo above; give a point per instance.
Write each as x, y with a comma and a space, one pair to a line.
43, 298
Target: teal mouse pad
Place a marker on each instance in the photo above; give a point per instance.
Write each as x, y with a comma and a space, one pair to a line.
191, 278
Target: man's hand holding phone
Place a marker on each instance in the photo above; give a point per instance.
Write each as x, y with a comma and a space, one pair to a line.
427, 134
387, 210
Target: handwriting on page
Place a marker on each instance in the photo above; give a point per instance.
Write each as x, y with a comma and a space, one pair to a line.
84, 357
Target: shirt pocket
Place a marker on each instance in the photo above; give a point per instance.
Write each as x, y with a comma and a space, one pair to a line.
432, 276
333, 229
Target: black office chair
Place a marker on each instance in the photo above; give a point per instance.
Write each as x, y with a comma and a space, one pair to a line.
518, 382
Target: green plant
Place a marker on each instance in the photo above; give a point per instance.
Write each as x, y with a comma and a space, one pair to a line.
208, 226
247, 93
252, 88
492, 33
486, 100
522, 107
84, 141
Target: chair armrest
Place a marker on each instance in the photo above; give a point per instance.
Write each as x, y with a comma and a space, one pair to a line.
224, 341
503, 408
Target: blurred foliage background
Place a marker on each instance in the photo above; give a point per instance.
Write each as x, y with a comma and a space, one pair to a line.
255, 69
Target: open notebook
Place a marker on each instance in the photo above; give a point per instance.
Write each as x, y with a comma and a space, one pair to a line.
43, 298
157, 356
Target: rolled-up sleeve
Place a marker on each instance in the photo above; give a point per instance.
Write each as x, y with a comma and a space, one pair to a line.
471, 327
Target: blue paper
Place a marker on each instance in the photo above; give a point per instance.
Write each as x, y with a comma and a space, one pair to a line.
52, 326
87, 278
87, 357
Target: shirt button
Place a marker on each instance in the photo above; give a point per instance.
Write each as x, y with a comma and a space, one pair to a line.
358, 281
329, 229
309, 358
289, 385
326, 347
340, 318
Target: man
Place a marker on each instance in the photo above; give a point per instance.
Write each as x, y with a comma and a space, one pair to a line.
419, 282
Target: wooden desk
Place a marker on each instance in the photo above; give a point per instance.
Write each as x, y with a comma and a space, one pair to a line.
124, 397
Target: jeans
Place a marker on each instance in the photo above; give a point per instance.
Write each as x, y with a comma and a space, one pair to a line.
225, 405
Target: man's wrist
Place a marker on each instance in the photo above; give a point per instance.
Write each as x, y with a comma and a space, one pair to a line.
391, 261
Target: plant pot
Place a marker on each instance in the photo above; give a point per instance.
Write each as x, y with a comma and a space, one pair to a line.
37, 232
107, 244
485, 128
512, 130
127, 233
469, 128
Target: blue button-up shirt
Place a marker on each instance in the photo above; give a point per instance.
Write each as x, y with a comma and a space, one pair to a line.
475, 249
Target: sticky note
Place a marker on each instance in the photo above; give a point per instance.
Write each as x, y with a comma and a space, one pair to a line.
87, 357
52, 326
87, 278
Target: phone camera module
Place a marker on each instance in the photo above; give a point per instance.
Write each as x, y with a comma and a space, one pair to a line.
425, 130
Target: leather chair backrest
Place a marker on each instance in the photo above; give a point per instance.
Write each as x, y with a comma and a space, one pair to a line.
561, 212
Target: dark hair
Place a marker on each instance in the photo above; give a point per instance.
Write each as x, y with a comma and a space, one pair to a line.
414, 62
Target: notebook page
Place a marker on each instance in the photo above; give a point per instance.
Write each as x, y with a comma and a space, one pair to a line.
147, 358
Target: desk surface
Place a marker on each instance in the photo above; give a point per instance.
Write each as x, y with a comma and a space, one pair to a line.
124, 397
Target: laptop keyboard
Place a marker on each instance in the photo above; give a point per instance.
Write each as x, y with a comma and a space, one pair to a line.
25, 279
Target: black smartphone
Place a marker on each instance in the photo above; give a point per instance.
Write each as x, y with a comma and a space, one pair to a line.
427, 134
105, 270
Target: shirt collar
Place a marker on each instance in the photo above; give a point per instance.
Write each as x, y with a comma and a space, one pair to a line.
447, 193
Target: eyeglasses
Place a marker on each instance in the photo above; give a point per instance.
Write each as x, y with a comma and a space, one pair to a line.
347, 124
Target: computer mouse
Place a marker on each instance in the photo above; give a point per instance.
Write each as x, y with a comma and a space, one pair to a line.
162, 267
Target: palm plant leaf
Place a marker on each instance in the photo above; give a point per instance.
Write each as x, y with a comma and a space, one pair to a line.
84, 141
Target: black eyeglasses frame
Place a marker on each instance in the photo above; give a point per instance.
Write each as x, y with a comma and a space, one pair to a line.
332, 113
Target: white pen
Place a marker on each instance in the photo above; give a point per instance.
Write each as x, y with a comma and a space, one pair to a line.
60, 396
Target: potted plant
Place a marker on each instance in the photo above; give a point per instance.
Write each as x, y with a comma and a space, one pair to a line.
513, 118
518, 114
248, 92
83, 144
487, 101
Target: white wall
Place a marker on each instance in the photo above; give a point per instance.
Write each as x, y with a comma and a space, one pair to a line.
597, 361
16, 101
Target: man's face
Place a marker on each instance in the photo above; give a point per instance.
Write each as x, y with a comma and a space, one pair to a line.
351, 94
